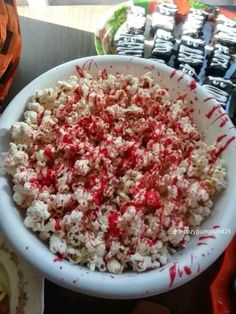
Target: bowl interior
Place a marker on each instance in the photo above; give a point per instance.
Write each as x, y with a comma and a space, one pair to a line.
213, 124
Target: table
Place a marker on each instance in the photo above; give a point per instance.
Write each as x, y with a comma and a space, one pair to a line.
51, 36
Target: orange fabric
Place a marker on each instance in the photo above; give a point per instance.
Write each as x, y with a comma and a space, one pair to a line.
220, 287
183, 6
10, 45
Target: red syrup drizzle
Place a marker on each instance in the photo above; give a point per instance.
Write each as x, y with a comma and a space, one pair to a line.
172, 274
207, 99
220, 138
206, 237
180, 272
211, 112
192, 85
57, 259
223, 148
220, 116
58, 224
187, 270
180, 78
48, 152
90, 62
198, 268
224, 121
172, 74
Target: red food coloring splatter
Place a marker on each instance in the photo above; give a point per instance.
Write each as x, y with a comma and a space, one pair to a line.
78, 94
211, 112
150, 242
192, 85
220, 138
103, 74
208, 98
90, 62
175, 180
168, 141
201, 243
48, 152
216, 227
57, 224
97, 198
80, 71
112, 220
146, 84
67, 139
219, 117
172, 74
180, 78
224, 121
57, 259
91, 181
152, 199
180, 272
223, 148
172, 274
198, 268
206, 237
187, 270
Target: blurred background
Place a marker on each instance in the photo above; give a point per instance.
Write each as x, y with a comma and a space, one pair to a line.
87, 2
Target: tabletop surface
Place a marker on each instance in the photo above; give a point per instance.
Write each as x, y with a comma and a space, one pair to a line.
51, 36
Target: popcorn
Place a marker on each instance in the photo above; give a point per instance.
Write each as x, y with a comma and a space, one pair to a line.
114, 266
21, 132
106, 170
58, 245
83, 198
82, 166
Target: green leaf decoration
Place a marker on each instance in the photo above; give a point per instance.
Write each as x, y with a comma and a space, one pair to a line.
197, 5
99, 46
118, 18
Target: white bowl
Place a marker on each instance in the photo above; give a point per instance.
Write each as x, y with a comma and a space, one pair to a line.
202, 250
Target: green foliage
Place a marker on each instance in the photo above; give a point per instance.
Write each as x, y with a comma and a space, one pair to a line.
197, 5
118, 18
99, 46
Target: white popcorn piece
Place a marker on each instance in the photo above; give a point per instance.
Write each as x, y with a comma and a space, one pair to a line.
58, 245
114, 266
82, 166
